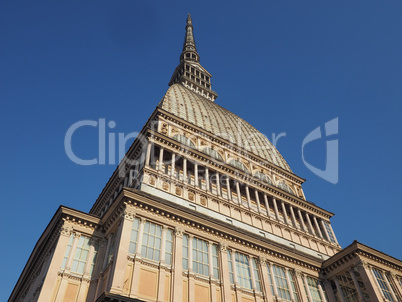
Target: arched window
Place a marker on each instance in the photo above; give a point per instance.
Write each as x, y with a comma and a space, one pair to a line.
238, 165
184, 140
213, 153
285, 187
263, 177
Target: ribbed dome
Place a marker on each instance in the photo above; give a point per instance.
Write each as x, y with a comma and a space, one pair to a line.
194, 108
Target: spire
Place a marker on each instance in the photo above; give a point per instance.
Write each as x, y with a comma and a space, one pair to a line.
189, 72
189, 48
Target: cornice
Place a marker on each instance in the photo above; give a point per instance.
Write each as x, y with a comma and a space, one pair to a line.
357, 251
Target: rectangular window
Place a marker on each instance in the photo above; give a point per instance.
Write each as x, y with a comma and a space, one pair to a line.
185, 252
292, 283
111, 247
80, 255
243, 270
329, 231
200, 257
215, 262
68, 250
281, 282
151, 241
271, 283
348, 288
393, 287
134, 236
231, 276
169, 247
314, 291
256, 275
94, 257
383, 285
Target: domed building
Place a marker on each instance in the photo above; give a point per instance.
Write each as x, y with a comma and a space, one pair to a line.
203, 208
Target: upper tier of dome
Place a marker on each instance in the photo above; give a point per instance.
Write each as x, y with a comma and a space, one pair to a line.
201, 112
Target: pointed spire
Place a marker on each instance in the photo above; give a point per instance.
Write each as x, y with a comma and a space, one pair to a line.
189, 72
189, 49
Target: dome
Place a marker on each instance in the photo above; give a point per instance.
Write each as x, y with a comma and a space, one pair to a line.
201, 112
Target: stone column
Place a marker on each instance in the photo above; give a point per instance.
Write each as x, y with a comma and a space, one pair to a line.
275, 208
339, 289
285, 215
148, 154
369, 280
292, 295
267, 204
224, 272
218, 185
330, 292
317, 226
173, 165
309, 224
185, 170
248, 197
239, 200
196, 174
325, 230
320, 290
257, 199
292, 213
266, 286
300, 284
160, 159
137, 265
162, 272
122, 243
211, 273
359, 291
228, 188
207, 178
191, 283
177, 288
301, 220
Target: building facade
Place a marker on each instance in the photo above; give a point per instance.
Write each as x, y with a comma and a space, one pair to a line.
203, 208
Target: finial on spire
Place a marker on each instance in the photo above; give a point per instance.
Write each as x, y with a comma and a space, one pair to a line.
189, 50
189, 72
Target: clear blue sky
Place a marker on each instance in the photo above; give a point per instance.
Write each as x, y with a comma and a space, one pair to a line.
283, 66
